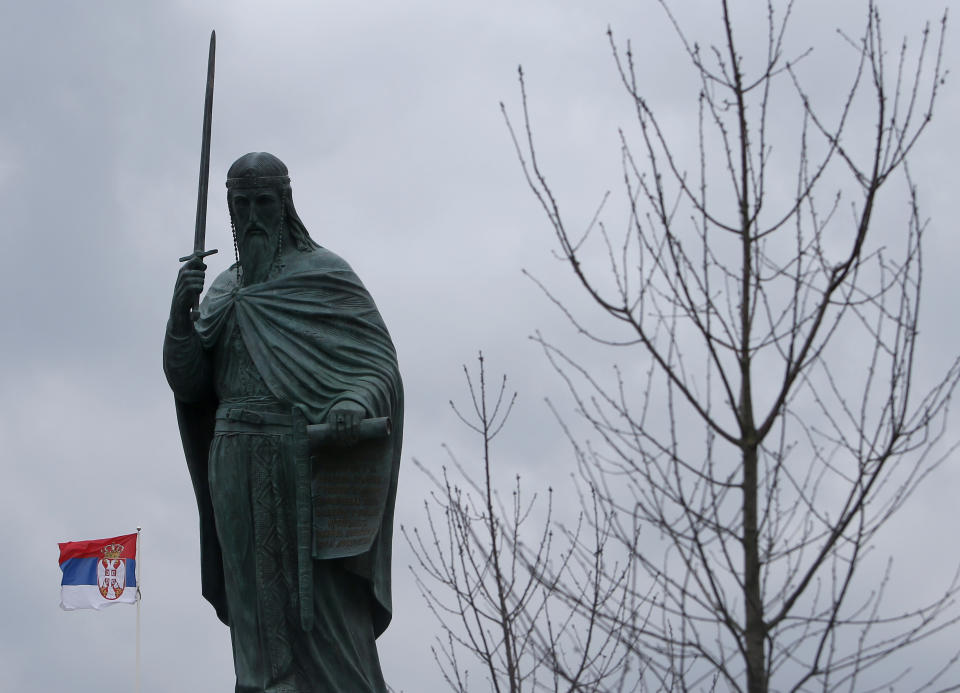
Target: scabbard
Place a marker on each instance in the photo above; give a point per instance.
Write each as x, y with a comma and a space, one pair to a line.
304, 514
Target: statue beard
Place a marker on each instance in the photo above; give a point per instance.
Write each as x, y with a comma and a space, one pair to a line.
257, 251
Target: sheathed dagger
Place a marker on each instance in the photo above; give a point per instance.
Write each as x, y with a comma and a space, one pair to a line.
200, 232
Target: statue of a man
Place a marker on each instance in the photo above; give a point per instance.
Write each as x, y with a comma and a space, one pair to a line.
295, 538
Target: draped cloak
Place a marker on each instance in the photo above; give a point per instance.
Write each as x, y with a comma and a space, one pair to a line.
316, 338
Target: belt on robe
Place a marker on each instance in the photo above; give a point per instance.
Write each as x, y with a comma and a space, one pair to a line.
244, 418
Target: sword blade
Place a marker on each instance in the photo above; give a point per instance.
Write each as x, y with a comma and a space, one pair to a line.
199, 234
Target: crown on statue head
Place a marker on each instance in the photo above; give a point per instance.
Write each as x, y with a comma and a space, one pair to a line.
112, 550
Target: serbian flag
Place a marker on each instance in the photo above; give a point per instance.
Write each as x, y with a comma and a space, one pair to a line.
98, 573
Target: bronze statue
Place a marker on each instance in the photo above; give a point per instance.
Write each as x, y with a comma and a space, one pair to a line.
290, 407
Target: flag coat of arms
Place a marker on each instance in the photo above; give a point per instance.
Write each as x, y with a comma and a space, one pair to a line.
98, 573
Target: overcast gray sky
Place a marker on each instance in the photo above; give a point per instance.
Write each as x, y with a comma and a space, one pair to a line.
387, 116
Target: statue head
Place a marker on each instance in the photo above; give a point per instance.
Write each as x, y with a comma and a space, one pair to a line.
262, 214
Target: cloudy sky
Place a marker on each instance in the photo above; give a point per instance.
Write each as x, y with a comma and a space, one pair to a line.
387, 115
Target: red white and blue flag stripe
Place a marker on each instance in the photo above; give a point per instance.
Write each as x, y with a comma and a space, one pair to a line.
98, 573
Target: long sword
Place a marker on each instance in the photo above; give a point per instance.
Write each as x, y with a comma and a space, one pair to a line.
200, 231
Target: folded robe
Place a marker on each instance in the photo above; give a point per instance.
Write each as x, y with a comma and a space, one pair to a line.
316, 338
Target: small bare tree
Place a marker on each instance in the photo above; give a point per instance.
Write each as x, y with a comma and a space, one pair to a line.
490, 595
768, 423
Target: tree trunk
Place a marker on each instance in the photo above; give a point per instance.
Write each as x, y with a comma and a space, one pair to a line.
753, 600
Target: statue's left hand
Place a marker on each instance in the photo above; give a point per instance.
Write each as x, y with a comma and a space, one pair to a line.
345, 417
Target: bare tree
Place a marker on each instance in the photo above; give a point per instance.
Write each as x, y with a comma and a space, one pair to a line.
491, 597
767, 423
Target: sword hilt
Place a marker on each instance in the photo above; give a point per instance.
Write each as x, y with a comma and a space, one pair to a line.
197, 255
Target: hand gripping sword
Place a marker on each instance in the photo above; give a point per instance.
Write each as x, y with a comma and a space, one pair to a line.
200, 231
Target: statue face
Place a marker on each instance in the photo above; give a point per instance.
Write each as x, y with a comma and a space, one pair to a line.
255, 210
257, 215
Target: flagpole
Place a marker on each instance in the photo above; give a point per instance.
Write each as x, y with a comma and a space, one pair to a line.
137, 570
